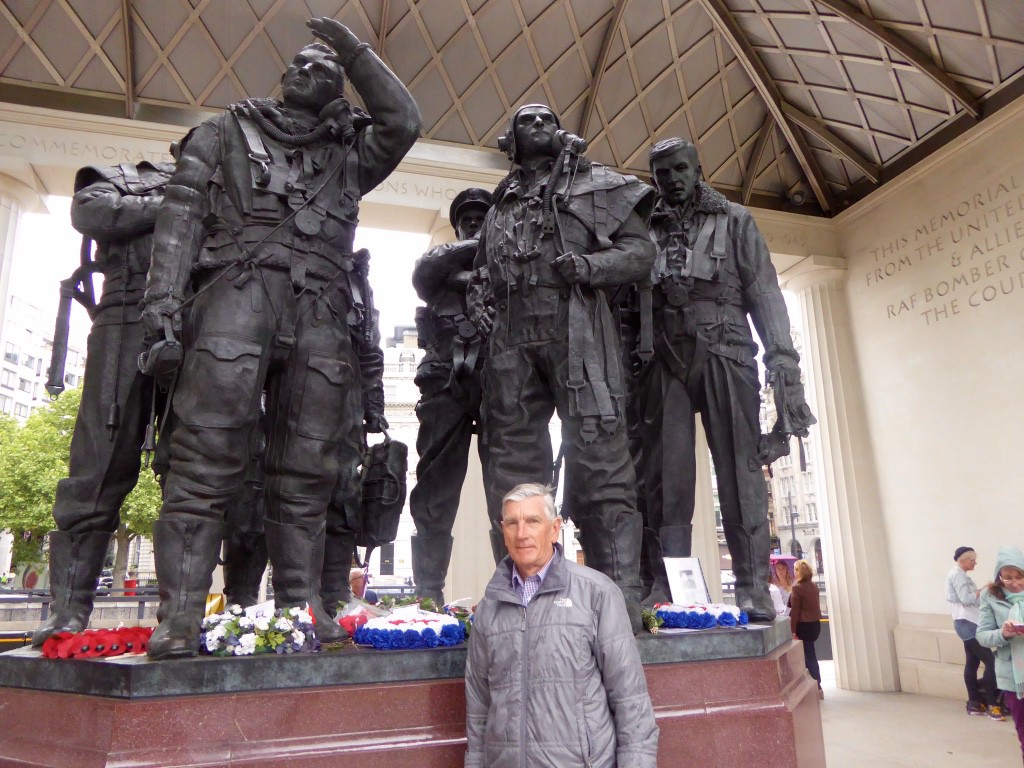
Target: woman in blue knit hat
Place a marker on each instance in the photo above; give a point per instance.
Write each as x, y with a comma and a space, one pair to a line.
1001, 627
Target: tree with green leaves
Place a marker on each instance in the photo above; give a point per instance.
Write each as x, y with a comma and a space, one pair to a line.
33, 458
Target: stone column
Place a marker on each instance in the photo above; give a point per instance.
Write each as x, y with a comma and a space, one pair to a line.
15, 197
858, 567
472, 563
705, 534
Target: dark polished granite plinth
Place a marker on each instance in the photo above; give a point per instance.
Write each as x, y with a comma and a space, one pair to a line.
722, 698
133, 677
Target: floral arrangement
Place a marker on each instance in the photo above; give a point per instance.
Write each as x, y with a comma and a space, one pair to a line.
701, 616
458, 609
94, 643
235, 633
410, 627
462, 615
651, 620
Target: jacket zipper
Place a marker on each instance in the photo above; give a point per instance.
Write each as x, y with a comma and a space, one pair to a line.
523, 685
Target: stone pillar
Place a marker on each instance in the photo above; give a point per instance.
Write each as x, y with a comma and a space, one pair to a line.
15, 197
472, 563
858, 567
705, 534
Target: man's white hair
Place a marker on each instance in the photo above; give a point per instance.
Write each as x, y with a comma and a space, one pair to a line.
525, 491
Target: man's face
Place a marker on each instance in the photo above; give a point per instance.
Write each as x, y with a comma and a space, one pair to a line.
675, 175
471, 221
529, 535
311, 81
358, 584
535, 129
968, 560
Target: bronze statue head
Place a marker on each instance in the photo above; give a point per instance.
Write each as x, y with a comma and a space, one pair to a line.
467, 211
531, 133
675, 170
313, 79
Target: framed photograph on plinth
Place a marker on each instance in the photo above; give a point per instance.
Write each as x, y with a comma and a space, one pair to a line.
686, 581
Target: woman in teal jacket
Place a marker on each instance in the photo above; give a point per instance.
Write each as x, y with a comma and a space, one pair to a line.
1001, 627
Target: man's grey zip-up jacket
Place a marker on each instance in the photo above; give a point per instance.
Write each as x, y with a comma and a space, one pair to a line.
559, 683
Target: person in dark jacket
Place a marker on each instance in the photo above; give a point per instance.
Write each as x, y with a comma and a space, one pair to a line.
553, 677
805, 616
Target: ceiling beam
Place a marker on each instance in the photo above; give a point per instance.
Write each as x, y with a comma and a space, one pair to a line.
909, 52
722, 18
382, 36
129, 59
755, 159
601, 65
817, 128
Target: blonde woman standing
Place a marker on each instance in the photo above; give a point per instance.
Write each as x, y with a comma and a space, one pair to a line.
805, 616
782, 578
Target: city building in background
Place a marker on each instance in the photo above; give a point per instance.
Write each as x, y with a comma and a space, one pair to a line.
26, 341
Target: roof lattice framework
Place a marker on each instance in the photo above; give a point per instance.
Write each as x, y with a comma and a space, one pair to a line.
785, 99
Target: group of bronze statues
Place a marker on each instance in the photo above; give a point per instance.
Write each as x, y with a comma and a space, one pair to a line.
572, 289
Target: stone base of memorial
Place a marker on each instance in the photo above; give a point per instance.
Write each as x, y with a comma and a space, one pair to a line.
723, 697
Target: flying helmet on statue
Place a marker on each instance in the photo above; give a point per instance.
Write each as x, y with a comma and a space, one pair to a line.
474, 197
507, 143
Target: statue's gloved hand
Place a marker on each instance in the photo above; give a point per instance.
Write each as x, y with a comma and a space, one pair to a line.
159, 315
478, 310
794, 415
637, 364
785, 369
336, 35
163, 353
375, 422
483, 319
771, 447
573, 268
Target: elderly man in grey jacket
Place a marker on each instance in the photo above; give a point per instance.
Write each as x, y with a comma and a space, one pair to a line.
553, 677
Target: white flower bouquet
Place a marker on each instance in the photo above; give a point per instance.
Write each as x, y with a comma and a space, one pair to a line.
234, 633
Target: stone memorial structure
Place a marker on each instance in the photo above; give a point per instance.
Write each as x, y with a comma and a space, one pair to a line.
900, 241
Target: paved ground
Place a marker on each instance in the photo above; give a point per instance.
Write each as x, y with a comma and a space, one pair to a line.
900, 730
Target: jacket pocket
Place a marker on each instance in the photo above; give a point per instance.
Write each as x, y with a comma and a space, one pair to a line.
327, 378
220, 383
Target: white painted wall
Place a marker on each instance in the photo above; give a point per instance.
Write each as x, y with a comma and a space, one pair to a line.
943, 372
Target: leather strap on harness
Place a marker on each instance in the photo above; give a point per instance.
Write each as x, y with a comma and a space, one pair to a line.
645, 350
589, 389
713, 237
257, 150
